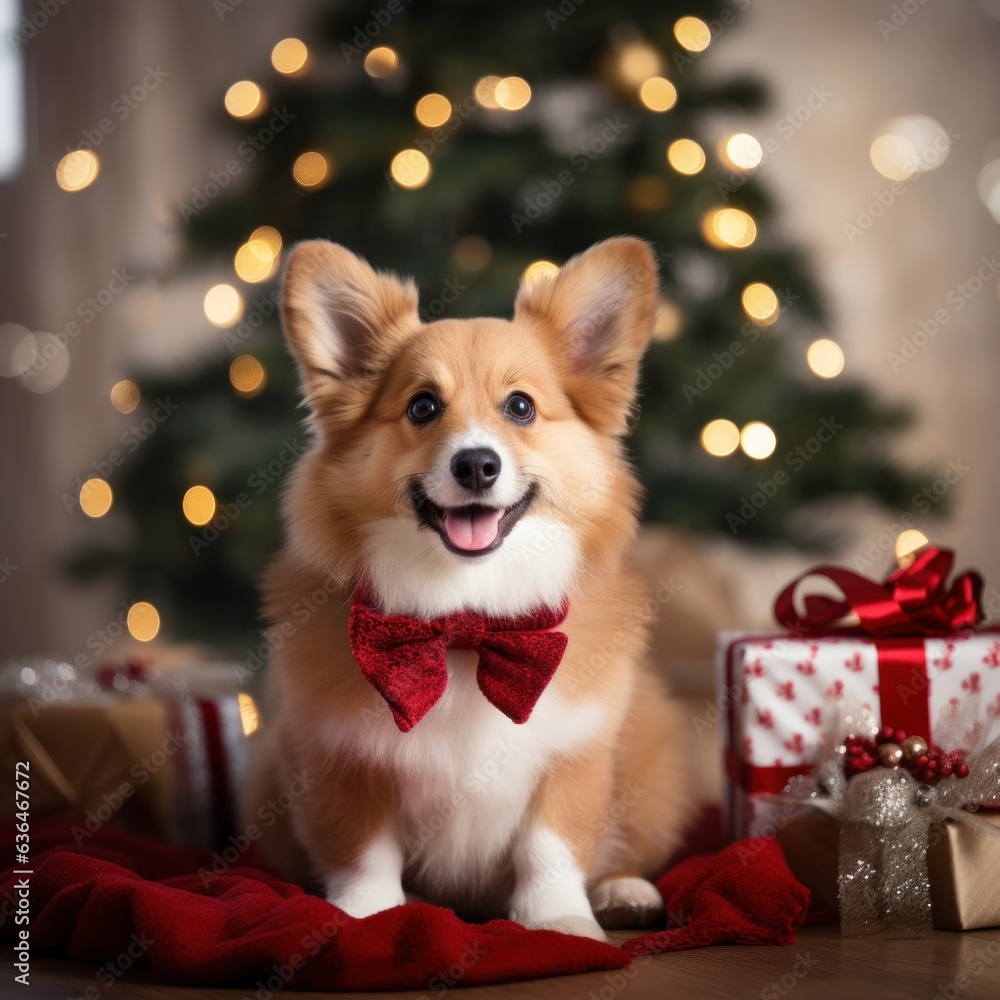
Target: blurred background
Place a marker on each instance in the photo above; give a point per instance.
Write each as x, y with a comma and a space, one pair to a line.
820, 183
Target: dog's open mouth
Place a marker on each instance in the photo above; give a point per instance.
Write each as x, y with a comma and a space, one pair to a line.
472, 530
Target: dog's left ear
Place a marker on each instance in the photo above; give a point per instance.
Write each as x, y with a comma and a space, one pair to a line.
599, 310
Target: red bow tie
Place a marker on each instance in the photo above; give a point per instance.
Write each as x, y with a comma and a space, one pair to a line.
404, 658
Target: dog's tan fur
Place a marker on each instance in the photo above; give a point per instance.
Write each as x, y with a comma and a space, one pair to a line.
574, 347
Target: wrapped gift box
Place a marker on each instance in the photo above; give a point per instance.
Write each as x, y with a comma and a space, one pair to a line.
786, 696
158, 751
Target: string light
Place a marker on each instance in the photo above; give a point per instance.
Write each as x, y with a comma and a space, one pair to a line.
485, 93
685, 156
410, 169
247, 376
381, 62
758, 440
638, 61
668, 321
244, 99
223, 305
199, 505
95, 498
727, 228
658, 94
760, 303
249, 715
143, 621
269, 236
289, 56
743, 151
512, 93
825, 358
432, 110
648, 193
77, 170
692, 33
539, 269
125, 396
908, 543
720, 437
311, 170
253, 263
473, 253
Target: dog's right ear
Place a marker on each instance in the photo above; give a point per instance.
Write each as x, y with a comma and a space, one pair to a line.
341, 320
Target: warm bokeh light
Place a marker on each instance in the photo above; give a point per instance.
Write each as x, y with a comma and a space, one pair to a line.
658, 94
473, 253
825, 358
638, 61
244, 99
512, 93
95, 498
906, 145
311, 170
143, 621
648, 193
685, 156
720, 437
988, 189
223, 305
249, 715
908, 543
17, 349
199, 505
410, 168
77, 170
432, 110
253, 262
539, 269
269, 236
381, 62
727, 228
289, 55
758, 440
692, 33
760, 303
125, 396
744, 151
668, 321
484, 93
247, 375
43, 362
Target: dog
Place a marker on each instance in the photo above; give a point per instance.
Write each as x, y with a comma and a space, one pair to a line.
468, 472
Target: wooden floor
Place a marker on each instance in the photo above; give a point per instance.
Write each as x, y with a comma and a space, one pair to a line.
821, 966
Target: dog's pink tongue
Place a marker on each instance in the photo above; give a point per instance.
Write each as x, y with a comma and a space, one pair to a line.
473, 530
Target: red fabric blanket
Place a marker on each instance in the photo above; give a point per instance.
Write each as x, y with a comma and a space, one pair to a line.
123, 902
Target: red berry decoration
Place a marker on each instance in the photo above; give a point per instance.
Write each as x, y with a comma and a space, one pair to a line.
862, 754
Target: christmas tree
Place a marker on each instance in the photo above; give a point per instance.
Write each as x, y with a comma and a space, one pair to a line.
472, 146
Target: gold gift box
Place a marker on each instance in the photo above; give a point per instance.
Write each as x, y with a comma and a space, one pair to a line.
96, 761
963, 863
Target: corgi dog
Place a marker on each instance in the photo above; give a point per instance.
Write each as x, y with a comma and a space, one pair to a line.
469, 471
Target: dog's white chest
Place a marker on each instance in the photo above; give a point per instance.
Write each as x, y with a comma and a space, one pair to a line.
466, 775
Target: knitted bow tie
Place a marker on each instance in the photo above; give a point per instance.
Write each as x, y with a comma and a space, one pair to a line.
404, 658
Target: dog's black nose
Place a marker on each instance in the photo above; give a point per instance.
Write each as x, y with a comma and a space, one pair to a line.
476, 469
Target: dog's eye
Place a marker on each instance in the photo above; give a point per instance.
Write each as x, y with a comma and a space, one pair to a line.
519, 407
423, 408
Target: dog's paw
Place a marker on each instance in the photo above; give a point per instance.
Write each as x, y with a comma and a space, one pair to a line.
626, 902
358, 899
578, 926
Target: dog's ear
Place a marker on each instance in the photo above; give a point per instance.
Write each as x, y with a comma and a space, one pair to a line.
341, 320
599, 310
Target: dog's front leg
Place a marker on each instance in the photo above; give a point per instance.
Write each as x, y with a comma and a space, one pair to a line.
556, 844
345, 821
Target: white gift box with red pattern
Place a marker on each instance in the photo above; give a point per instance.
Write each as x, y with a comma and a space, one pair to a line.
785, 697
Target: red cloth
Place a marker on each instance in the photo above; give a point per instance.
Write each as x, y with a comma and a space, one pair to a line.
744, 895
404, 658
143, 904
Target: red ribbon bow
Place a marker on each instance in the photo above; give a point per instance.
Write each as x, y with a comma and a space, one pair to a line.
404, 657
913, 601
